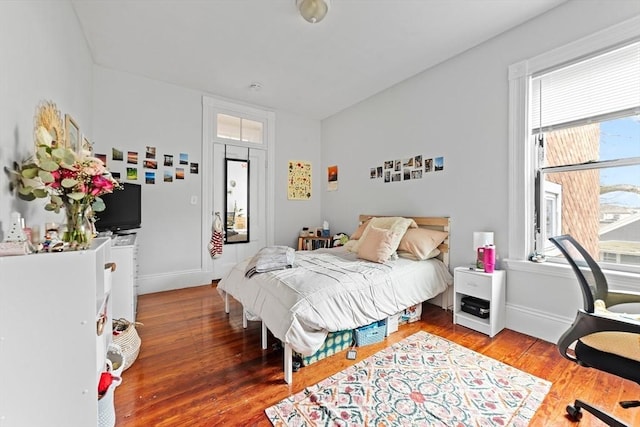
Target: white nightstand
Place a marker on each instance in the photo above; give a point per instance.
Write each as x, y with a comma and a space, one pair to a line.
486, 286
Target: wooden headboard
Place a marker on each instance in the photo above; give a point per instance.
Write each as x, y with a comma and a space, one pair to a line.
440, 223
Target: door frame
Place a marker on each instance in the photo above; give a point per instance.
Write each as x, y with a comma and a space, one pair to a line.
210, 107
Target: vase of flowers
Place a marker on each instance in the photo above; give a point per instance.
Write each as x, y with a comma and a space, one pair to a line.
71, 182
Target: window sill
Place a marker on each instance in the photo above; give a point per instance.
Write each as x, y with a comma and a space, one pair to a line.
617, 279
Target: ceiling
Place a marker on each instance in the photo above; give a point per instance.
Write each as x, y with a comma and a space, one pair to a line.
221, 47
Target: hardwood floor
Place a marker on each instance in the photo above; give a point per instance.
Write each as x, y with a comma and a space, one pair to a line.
198, 367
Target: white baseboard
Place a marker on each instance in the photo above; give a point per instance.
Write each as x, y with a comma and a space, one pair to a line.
173, 280
538, 324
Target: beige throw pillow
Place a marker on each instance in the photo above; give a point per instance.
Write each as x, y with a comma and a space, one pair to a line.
358, 233
421, 242
394, 223
377, 246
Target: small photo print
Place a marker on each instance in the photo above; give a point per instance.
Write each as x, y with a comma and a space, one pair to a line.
398, 166
379, 172
428, 165
184, 159
150, 177
193, 168
408, 163
132, 157
332, 173
418, 162
373, 173
179, 173
116, 154
103, 158
387, 176
396, 177
116, 176
150, 152
168, 160
438, 164
168, 176
407, 174
150, 164
416, 174
388, 164
132, 174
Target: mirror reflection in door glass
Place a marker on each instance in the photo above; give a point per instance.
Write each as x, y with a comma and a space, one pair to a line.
237, 201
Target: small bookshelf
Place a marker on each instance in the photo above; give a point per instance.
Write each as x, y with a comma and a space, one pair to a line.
311, 243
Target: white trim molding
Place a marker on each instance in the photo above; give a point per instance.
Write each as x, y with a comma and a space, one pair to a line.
521, 172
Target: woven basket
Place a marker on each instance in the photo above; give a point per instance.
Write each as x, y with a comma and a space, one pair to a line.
126, 337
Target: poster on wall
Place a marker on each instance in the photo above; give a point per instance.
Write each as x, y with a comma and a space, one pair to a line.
332, 178
150, 177
299, 181
132, 174
132, 157
116, 154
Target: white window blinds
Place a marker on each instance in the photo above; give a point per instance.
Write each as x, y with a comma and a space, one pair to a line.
603, 86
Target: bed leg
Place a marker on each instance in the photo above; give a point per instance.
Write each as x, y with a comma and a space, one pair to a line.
288, 365
264, 335
226, 302
244, 318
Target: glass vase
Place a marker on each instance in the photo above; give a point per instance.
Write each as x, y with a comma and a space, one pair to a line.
79, 233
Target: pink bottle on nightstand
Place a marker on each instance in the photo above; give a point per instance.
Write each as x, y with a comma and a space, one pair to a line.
489, 258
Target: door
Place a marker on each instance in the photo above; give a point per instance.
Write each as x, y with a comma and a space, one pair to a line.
254, 217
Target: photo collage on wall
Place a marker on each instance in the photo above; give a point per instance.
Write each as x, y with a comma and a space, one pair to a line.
407, 169
149, 166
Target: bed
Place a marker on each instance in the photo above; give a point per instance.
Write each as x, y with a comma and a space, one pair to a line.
334, 289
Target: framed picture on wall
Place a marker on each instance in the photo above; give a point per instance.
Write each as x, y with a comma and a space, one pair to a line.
72, 131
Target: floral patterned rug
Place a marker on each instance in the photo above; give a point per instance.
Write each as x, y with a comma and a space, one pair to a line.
423, 380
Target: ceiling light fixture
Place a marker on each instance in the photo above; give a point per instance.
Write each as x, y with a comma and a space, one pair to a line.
255, 86
312, 11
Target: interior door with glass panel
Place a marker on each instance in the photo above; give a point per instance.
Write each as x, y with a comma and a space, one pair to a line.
238, 185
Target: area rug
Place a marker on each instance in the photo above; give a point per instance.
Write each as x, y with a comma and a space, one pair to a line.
423, 380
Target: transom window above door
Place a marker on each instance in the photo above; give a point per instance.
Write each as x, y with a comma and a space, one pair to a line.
239, 128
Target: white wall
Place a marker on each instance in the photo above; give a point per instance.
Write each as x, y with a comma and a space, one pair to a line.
459, 110
43, 56
297, 138
132, 112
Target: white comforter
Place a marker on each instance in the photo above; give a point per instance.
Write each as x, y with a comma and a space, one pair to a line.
332, 290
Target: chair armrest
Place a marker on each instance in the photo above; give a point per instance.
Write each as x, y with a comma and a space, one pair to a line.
621, 297
589, 323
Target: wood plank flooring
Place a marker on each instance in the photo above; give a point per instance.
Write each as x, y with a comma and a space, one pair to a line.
198, 367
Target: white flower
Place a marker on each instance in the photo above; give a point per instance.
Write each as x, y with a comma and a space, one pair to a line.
43, 137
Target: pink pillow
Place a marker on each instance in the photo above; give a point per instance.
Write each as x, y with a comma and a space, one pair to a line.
358, 233
421, 241
378, 245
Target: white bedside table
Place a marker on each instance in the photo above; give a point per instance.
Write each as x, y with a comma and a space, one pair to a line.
487, 286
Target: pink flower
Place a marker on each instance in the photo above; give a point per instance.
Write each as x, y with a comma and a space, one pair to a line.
417, 397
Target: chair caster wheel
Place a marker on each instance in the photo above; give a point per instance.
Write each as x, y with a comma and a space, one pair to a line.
574, 413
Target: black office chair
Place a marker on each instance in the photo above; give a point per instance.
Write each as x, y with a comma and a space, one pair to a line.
591, 331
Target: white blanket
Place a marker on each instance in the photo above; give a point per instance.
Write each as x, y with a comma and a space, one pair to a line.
332, 290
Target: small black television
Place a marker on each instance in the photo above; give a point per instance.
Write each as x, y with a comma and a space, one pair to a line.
123, 209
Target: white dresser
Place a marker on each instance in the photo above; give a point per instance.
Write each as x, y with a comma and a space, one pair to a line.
51, 356
124, 252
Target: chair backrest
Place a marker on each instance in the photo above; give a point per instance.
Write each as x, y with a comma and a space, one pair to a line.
593, 283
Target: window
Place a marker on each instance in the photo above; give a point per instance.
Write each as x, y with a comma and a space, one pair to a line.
575, 148
238, 128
